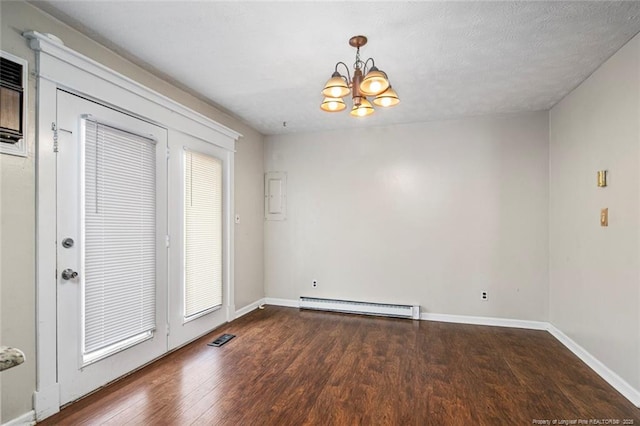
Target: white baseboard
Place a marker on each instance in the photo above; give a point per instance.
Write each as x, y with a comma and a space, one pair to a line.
250, 307
461, 319
596, 365
282, 302
25, 419
495, 322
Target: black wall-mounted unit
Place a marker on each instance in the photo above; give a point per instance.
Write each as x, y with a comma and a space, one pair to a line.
11, 101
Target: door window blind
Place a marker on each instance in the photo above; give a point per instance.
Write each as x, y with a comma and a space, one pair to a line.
119, 259
203, 233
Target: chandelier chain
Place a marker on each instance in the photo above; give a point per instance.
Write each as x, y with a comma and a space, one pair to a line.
358, 61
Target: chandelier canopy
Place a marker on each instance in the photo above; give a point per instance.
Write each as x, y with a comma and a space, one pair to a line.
367, 81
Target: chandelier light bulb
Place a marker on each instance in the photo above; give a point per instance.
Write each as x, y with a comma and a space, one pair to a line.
336, 87
387, 99
332, 104
375, 86
374, 82
365, 108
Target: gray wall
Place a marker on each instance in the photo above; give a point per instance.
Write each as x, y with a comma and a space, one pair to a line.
17, 201
430, 213
594, 271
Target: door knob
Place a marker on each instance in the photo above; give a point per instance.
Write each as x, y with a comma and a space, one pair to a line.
68, 274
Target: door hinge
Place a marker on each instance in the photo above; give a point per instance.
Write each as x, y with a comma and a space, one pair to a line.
55, 137
168, 329
168, 153
168, 240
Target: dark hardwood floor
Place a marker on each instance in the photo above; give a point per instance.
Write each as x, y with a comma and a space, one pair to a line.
291, 367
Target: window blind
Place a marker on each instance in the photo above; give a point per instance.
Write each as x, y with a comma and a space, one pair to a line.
203, 233
119, 237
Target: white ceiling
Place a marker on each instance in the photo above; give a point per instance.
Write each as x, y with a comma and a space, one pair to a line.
266, 61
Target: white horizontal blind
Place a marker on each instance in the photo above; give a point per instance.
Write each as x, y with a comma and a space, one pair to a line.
119, 236
203, 233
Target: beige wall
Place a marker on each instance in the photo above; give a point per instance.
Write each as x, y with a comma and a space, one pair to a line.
430, 213
17, 243
17, 205
594, 271
249, 254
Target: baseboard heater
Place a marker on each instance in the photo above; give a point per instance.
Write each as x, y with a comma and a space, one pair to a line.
363, 308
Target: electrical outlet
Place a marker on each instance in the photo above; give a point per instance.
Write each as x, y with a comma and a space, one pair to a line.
484, 296
314, 283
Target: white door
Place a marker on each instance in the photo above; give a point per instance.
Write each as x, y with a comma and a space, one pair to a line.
199, 287
111, 244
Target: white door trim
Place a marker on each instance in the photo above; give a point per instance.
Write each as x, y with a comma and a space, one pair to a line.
63, 56
58, 67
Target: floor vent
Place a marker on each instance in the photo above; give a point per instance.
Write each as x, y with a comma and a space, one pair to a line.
363, 308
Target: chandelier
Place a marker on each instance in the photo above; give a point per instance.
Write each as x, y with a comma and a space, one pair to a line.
366, 82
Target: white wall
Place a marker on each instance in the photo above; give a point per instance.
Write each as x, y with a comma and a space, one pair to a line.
594, 271
17, 201
429, 213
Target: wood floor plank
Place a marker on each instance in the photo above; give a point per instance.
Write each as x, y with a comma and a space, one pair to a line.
292, 367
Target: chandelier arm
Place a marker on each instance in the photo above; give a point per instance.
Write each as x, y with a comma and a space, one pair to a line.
373, 64
348, 78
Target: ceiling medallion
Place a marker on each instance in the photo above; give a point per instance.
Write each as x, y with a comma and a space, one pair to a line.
367, 81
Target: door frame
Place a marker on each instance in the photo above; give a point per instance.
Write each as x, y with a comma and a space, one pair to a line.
59, 67
76, 376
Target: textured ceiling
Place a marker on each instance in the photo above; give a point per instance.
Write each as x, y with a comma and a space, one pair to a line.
266, 62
